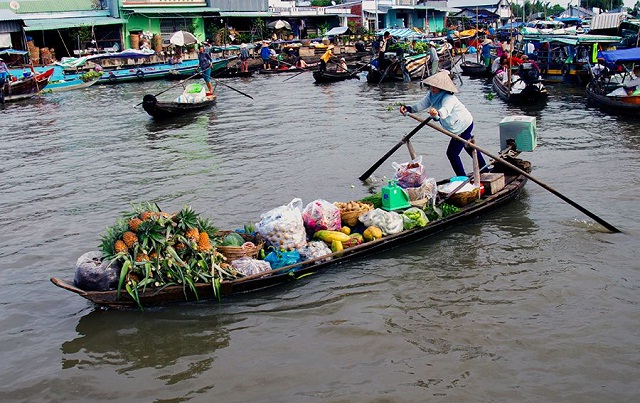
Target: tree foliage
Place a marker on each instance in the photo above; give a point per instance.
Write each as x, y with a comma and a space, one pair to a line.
602, 4
535, 7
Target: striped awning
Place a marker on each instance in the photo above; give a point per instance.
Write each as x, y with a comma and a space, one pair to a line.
403, 32
44, 24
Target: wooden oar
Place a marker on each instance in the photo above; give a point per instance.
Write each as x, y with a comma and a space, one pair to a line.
231, 88
404, 140
520, 171
173, 86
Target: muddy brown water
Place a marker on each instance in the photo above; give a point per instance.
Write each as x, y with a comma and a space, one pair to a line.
534, 302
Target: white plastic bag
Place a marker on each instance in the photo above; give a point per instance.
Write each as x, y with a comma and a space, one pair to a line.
389, 222
314, 250
282, 227
249, 266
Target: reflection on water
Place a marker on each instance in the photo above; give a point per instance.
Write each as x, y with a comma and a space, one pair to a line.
129, 340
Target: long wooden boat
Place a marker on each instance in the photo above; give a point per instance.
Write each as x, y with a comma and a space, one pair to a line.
414, 65
520, 91
165, 110
473, 69
69, 85
597, 95
332, 77
26, 87
606, 83
514, 183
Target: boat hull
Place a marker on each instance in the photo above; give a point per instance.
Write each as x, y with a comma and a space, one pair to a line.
205, 291
476, 70
26, 88
596, 95
329, 77
532, 93
166, 110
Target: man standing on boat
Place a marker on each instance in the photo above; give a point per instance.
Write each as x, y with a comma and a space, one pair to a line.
433, 58
445, 107
4, 77
324, 59
244, 58
204, 65
487, 45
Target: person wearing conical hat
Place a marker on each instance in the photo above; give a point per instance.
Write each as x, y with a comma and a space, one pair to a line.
445, 107
326, 56
487, 45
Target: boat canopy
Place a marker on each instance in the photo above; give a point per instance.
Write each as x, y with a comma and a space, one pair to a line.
403, 32
620, 56
568, 39
13, 52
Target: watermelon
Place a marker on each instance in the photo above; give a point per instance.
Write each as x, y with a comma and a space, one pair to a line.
232, 239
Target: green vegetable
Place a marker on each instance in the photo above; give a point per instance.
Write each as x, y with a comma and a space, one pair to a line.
232, 239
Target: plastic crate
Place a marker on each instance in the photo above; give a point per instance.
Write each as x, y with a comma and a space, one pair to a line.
520, 128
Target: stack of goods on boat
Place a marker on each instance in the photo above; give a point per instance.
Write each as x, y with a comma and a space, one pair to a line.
148, 249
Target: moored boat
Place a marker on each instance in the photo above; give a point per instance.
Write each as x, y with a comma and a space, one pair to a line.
25, 87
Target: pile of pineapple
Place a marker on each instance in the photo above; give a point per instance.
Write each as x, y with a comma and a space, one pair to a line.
156, 249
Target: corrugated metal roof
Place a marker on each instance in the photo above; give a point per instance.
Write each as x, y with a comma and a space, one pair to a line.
8, 15
253, 14
61, 23
173, 11
47, 6
607, 20
337, 31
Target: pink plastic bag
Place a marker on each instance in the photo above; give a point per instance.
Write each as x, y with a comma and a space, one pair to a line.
410, 174
319, 215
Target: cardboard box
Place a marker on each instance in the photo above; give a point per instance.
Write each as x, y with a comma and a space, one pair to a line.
492, 182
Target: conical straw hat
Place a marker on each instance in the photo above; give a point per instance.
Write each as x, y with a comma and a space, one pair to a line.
441, 80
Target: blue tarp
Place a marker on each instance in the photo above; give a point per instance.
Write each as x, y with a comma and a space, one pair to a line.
509, 25
620, 56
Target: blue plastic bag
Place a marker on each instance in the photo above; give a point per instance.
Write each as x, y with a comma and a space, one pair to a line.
279, 259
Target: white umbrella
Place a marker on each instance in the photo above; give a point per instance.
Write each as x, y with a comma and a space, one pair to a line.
182, 38
280, 24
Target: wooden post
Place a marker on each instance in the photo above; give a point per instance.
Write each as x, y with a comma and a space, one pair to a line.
412, 151
476, 168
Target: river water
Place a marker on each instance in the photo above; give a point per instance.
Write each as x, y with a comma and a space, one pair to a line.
534, 302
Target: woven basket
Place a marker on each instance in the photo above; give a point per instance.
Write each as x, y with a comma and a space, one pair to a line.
236, 252
350, 218
461, 199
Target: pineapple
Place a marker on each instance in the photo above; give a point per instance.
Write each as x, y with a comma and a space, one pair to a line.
142, 257
146, 215
204, 244
193, 234
120, 246
129, 239
134, 223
